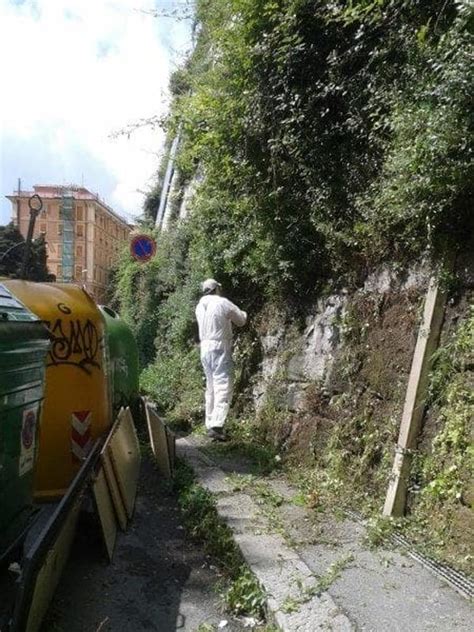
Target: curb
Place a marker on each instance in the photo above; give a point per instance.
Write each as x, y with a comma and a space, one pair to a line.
280, 570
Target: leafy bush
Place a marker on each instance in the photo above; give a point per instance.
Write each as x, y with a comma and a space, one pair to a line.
327, 136
443, 471
157, 299
448, 469
245, 595
331, 135
175, 382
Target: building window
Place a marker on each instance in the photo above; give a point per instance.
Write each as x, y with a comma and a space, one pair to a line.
51, 211
79, 273
79, 251
60, 272
80, 230
60, 229
79, 213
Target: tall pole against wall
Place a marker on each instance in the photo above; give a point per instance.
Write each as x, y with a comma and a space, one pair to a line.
167, 180
413, 411
18, 205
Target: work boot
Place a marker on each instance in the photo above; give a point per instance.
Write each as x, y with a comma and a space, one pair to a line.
217, 434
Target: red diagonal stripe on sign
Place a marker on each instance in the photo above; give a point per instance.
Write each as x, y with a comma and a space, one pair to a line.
80, 439
82, 415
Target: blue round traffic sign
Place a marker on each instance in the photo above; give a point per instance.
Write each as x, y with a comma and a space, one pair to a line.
142, 247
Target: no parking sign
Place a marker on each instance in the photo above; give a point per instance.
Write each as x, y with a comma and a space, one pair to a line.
143, 248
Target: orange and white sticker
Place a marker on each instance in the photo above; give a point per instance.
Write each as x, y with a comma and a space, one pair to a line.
28, 438
81, 437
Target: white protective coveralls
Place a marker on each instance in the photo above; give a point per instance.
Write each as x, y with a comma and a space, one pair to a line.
215, 315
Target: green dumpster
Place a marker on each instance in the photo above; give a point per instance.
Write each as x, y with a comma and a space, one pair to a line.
123, 355
24, 343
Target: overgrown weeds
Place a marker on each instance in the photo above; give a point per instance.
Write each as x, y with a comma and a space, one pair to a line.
441, 486
242, 593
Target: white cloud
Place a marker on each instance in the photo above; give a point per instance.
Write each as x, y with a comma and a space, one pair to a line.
76, 71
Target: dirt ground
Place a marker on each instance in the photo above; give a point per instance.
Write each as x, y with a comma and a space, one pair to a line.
158, 580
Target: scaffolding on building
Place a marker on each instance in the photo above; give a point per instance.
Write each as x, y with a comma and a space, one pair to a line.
67, 216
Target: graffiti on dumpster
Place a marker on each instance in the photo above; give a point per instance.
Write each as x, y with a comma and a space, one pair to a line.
75, 342
64, 308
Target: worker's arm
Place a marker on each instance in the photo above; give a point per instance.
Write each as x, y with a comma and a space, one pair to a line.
236, 315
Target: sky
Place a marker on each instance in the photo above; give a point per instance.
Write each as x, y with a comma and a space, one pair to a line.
73, 74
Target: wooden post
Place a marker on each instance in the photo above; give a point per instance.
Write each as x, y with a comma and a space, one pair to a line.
428, 337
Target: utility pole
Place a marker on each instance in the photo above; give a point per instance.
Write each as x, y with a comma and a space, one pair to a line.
18, 205
167, 180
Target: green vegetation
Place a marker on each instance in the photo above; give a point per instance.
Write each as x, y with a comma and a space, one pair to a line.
157, 300
242, 593
203, 523
332, 136
444, 463
248, 441
11, 255
321, 139
245, 595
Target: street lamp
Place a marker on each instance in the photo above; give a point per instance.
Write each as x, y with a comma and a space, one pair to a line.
36, 204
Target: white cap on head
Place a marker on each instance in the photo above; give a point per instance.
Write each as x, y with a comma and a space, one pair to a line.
209, 285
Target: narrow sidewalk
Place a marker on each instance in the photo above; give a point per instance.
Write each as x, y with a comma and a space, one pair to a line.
159, 579
317, 571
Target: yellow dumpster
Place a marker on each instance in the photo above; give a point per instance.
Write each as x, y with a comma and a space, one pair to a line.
77, 402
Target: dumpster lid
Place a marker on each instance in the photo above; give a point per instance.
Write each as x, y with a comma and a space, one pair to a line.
12, 309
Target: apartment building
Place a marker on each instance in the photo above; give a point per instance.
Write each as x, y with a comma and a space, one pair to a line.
83, 234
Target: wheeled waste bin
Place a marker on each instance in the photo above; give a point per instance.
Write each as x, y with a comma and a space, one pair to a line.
77, 406
24, 344
123, 355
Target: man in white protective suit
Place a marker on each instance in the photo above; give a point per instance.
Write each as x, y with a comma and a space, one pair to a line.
215, 315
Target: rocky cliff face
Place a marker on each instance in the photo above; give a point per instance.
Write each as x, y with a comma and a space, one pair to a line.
328, 392
304, 358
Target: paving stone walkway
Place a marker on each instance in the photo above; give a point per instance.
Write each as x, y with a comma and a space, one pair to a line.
317, 570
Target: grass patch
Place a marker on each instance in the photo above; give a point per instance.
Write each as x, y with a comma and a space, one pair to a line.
243, 594
202, 520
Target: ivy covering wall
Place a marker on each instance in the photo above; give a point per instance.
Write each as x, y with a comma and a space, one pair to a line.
330, 137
